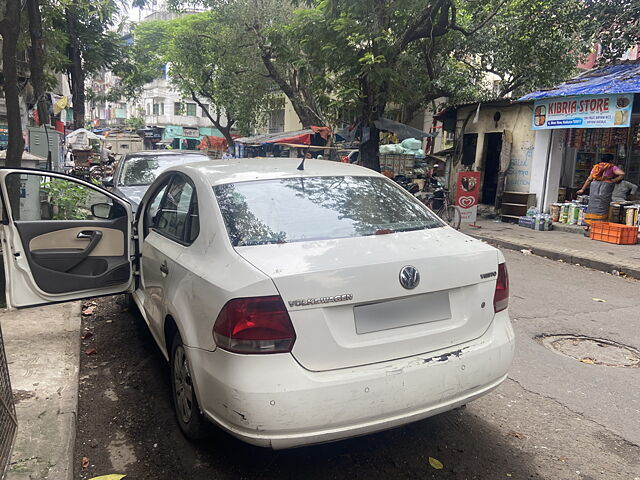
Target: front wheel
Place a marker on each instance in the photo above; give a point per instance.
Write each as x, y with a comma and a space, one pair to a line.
190, 418
452, 216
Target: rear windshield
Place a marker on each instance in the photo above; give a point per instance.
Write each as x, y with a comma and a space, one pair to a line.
317, 208
144, 169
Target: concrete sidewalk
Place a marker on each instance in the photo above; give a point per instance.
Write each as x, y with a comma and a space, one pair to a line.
43, 347
560, 245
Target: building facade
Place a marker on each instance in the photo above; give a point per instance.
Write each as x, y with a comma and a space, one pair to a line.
495, 139
162, 115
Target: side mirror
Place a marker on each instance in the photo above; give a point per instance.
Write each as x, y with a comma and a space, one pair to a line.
107, 182
101, 211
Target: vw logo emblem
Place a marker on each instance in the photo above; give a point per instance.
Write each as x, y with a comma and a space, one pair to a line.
409, 277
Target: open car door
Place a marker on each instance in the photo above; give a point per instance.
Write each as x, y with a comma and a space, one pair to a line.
62, 238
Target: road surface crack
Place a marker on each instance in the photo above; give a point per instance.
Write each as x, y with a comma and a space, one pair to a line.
580, 414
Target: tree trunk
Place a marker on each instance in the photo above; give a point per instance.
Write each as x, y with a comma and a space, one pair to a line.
369, 149
10, 29
224, 129
76, 72
37, 57
305, 114
303, 108
374, 104
226, 133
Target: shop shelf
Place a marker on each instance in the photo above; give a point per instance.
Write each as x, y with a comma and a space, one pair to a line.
614, 233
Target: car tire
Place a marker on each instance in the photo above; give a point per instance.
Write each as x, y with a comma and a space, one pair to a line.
190, 419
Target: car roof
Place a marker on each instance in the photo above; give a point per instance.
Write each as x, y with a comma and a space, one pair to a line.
163, 153
218, 172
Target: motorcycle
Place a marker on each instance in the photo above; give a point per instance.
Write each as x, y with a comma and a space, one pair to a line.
407, 184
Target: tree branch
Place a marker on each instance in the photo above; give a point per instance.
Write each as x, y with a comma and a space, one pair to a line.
513, 85
423, 26
468, 33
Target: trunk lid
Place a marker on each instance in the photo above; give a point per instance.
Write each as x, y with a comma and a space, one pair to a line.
347, 304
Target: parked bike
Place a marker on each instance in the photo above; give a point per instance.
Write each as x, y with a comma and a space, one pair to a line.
438, 201
407, 184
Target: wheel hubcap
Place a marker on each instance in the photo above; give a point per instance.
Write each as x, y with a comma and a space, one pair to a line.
183, 385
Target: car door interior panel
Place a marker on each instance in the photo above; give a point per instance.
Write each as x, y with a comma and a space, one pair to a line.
75, 255
110, 245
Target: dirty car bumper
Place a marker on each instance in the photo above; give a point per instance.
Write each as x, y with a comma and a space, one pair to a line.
271, 401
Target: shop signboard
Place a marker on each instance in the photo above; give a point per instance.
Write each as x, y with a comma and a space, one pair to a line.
585, 111
190, 132
467, 187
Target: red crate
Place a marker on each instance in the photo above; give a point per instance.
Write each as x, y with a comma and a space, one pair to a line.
614, 233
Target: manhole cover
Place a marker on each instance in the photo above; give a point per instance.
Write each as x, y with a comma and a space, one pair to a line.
593, 351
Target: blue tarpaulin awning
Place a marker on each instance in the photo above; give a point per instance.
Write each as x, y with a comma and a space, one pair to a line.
623, 78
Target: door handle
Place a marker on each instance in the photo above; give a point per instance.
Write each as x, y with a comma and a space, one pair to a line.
164, 269
94, 237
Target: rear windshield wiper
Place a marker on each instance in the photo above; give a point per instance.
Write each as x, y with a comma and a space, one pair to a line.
411, 229
263, 241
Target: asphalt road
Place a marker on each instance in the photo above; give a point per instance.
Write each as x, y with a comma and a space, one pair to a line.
554, 418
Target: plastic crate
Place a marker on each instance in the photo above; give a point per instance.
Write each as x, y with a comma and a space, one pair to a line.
614, 233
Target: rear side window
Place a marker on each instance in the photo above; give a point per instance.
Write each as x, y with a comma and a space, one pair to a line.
315, 208
177, 216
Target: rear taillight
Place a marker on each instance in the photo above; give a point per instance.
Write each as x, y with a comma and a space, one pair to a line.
501, 296
254, 325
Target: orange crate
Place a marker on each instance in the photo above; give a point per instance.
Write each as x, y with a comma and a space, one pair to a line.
614, 233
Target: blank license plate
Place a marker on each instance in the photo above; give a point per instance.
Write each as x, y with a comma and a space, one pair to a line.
415, 310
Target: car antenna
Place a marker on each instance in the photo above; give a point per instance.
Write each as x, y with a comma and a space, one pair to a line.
301, 166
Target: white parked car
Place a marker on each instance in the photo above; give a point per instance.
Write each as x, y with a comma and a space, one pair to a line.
295, 307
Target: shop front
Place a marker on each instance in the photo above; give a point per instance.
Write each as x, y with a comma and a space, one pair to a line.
590, 119
592, 129
186, 138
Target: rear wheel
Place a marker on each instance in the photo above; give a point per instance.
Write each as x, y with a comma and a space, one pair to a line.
190, 418
452, 216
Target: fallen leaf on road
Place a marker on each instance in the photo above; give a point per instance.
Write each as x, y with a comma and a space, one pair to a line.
515, 434
85, 463
90, 351
598, 300
587, 361
89, 310
87, 335
113, 476
437, 464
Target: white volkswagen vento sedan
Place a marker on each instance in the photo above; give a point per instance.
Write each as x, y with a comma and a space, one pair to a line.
294, 306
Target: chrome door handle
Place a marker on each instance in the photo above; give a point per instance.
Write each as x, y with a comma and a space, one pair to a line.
86, 234
164, 269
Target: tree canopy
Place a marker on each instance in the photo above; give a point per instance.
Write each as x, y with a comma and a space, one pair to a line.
614, 25
211, 63
336, 60
374, 54
82, 38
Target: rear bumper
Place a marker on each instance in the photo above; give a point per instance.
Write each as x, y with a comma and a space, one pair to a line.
272, 401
